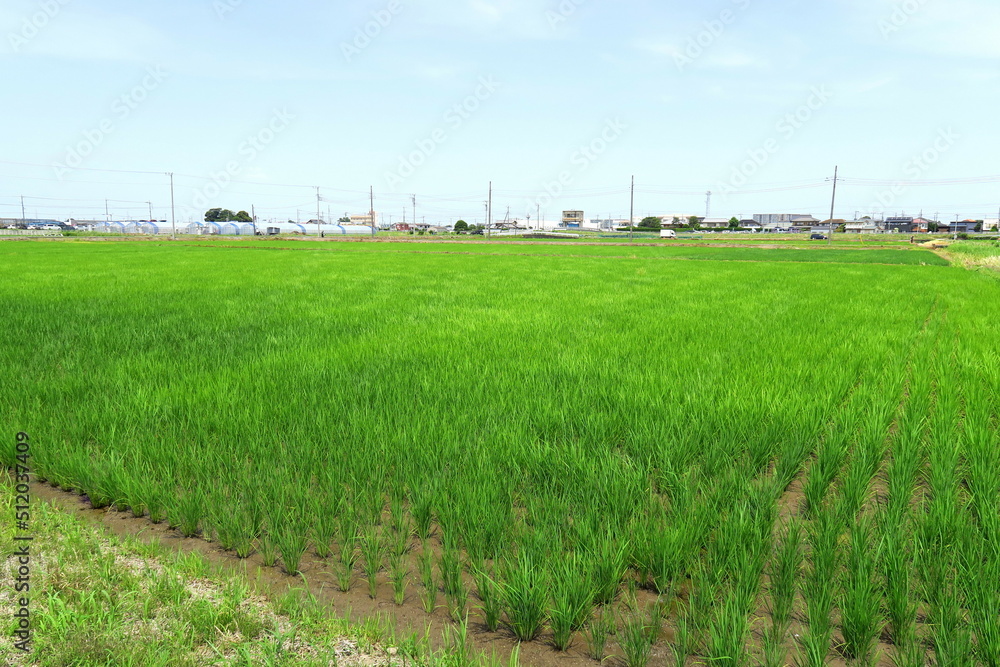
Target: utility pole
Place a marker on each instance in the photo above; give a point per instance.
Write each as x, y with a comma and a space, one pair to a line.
253, 218
631, 211
538, 216
833, 203
708, 204
372, 202
23, 217
150, 210
489, 210
173, 211
414, 199
318, 214
107, 211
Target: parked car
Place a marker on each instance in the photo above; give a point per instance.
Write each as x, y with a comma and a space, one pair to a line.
668, 234
816, 236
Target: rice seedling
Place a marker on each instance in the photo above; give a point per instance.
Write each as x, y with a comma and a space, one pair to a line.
291, 540
190, 509
267, 545
428, 596
634, 641
684, 641
372, 551
489, 595
399, 572
324, 527
598, 630
525, 592
609, 561
572, 600
456, 639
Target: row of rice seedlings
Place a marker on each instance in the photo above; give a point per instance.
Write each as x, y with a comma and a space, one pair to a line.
861, 619
866, 460
943, 527
830, 456
950, 633
746, 541
819, 589
980, 562
784, 571
978, 575
897, 567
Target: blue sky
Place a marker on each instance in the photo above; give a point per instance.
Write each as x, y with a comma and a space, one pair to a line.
559, 103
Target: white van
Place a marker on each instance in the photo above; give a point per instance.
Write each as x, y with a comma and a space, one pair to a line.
668, 234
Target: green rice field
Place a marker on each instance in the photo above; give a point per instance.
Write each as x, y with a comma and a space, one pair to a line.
764, 457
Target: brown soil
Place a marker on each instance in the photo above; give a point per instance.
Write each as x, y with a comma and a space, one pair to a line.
320, 578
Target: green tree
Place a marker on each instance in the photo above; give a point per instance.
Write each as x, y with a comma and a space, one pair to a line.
651, 222
461, 226
346, 220
225, 215
979, 226
693, 222
933, 226
734, 223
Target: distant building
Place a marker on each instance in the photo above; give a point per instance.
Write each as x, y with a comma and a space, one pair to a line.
366, 220
862, 227
603, 224
714, 223
573, 219
960, 227
900, 225
783, 220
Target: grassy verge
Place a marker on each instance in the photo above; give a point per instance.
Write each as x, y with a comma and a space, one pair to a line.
975, 254
98, 599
